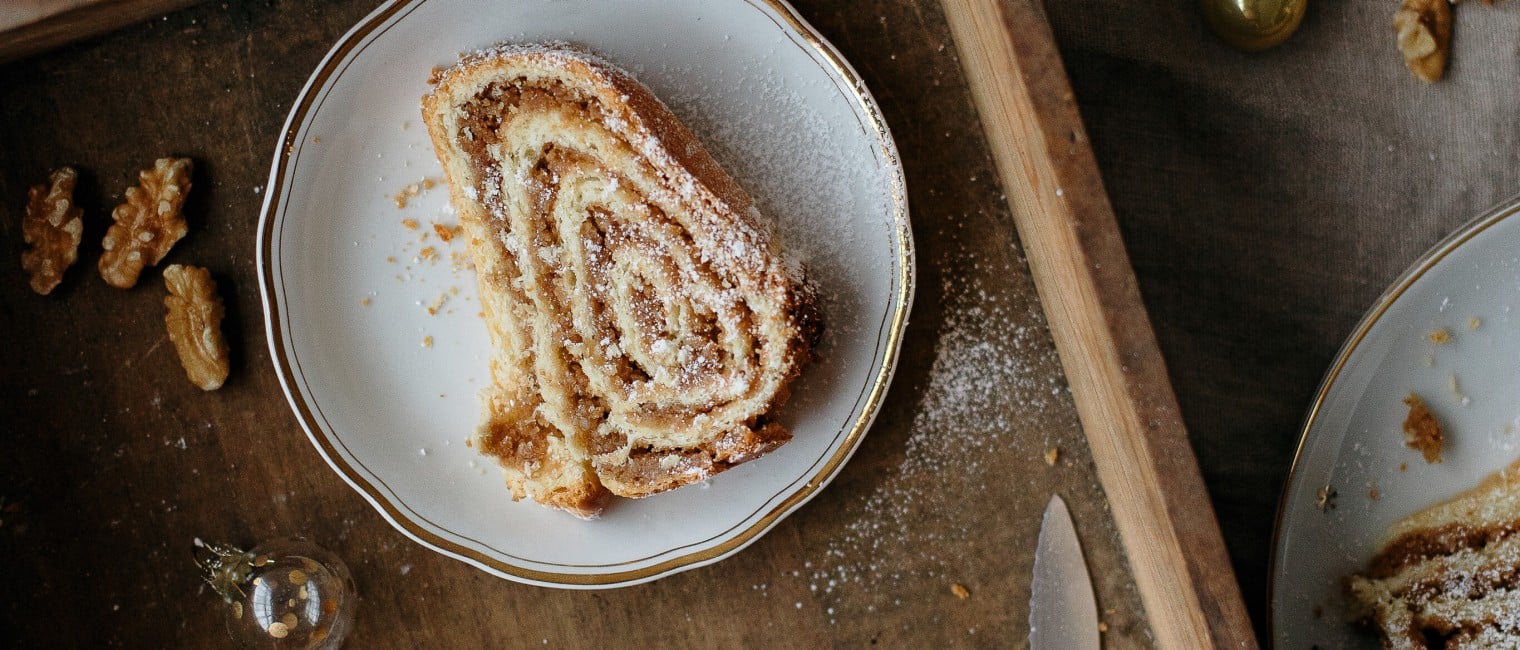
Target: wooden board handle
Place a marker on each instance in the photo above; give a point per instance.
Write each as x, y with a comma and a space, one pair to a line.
1082, 272
85, 21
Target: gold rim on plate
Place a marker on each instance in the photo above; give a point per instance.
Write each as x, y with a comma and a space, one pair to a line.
407, 521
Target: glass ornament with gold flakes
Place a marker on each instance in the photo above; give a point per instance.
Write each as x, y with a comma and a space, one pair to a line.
286, 593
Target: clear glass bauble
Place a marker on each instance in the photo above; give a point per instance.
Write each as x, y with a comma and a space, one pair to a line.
286, 593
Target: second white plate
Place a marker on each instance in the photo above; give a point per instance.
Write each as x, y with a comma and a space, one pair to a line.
1469, 286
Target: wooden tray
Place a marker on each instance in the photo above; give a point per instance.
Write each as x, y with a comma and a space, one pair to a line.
81, 22
118, 462
1093, 305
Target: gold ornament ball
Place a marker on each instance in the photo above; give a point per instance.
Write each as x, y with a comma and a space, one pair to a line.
1254, 24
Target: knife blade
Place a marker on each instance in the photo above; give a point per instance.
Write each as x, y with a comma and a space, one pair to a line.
1063, 614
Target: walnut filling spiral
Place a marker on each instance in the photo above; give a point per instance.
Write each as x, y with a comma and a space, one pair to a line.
643, 325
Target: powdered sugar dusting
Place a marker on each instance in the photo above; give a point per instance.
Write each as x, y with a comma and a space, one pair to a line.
797, 180
992, 366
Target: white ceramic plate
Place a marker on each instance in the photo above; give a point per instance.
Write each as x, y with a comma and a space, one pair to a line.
347, 288
1353, 440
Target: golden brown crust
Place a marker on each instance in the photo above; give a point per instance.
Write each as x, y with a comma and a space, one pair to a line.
1420, 545
647, 472
643, 324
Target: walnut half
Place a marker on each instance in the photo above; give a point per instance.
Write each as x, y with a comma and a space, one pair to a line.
51, 226
195, 325
147, 224
1424, 36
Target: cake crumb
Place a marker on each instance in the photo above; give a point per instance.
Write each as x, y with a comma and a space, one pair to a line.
960, 590
1474, 323
1440, 336
1456, 390
406, 193
412, 190
1052, 455
1102, 627
446, 233
1422, 431
409, 224
427, 341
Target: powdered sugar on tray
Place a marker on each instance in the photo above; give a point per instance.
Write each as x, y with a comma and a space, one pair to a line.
993, 365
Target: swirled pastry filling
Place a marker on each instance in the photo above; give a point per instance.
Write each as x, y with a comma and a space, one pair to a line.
644, 327
1449, 575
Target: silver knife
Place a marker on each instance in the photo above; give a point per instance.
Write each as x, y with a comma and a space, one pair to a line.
1063, 614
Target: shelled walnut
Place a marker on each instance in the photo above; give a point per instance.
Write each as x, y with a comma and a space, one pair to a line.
1424, 36
51, 227
147, 224
195, 325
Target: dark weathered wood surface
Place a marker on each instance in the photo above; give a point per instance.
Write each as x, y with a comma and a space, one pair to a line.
115, 462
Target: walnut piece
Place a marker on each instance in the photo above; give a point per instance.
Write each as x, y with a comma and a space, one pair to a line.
51, 226
195, 324
147, 224
1424, 36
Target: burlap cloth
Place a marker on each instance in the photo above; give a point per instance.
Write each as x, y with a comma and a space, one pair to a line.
1268, 199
